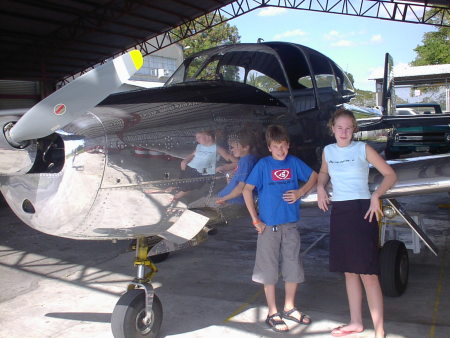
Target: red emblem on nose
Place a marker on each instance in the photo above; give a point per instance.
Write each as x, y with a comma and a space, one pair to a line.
281, 174
59, 109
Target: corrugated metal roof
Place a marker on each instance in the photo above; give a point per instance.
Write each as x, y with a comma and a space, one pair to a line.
52, 39
55, 39
404, 70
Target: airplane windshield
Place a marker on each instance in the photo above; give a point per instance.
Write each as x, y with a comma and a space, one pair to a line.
257, 68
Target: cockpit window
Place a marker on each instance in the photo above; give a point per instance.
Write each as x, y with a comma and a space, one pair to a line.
344, 83
323, 73
209, 72
259, 68
195, 66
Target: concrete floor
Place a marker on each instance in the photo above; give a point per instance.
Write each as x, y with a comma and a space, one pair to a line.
54, 287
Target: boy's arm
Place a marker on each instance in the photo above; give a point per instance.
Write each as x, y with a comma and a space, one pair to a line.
309, 184
188, 159
250, 204
237, 191
226, 155
291, 196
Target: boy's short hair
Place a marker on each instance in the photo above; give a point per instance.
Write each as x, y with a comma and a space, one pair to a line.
243, 137
276, 133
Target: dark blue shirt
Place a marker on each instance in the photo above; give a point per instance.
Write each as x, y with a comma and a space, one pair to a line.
244, 167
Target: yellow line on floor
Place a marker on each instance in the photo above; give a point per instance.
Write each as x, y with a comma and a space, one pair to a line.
246, 304
441, 282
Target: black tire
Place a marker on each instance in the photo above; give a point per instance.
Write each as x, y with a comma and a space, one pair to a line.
159, 258
394, 264
126, 319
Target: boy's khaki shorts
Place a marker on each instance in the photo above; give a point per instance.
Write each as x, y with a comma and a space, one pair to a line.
271, 246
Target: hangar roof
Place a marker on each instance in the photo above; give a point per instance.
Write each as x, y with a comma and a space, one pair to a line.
50, 39
419, 75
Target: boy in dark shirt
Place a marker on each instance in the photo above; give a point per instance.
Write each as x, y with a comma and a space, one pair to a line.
276, 179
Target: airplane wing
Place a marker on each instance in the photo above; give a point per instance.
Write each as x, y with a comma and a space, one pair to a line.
66, 104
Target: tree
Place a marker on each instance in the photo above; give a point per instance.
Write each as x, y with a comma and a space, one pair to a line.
350, 77
435, 49
218, 35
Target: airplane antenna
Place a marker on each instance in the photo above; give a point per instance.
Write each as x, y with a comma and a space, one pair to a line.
260, 40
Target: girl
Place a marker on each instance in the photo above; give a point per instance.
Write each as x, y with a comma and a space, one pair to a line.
202, 161
354, 215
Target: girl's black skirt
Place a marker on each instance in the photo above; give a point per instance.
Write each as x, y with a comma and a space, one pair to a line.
353, 239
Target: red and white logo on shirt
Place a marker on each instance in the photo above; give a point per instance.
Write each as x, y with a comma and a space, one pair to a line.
281, 174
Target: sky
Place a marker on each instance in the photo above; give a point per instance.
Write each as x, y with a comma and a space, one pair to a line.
358, 45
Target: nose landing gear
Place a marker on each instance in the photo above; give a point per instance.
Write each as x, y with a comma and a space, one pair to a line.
138, 312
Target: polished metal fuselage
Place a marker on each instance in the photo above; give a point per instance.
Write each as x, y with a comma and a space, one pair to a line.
121, 167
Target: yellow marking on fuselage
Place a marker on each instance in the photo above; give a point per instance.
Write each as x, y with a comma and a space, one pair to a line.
137, 58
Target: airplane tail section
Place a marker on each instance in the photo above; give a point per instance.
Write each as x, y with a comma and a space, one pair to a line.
388, 95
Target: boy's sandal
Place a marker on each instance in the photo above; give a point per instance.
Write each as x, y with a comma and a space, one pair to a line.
304, 319
273, 323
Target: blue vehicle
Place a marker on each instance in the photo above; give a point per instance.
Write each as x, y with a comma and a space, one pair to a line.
434, 139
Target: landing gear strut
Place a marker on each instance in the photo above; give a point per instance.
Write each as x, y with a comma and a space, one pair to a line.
394, 261
138, 313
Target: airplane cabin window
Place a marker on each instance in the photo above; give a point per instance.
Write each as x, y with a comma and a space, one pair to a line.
306, 82
344, 83
195, 66
263, 82
326, 81
232, 73
323, 72
209, 71
176, 77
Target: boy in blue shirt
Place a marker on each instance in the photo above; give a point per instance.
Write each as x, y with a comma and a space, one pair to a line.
276, 179
242, 146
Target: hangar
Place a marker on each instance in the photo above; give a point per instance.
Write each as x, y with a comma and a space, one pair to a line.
53, 40
49, 42
47, 70
431, 76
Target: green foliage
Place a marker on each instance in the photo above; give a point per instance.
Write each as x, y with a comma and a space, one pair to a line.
364, 98
263, 82
350, 77
435, 48
367, 98
218, 35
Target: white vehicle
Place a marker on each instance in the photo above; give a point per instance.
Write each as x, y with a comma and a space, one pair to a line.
405, 111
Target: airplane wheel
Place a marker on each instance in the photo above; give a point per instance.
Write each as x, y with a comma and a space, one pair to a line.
127, 320
394, 265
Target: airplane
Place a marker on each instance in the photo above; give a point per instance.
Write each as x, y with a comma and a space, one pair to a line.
84, 165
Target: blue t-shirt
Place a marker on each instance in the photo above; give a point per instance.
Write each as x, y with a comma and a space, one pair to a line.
272, 178
244, 167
